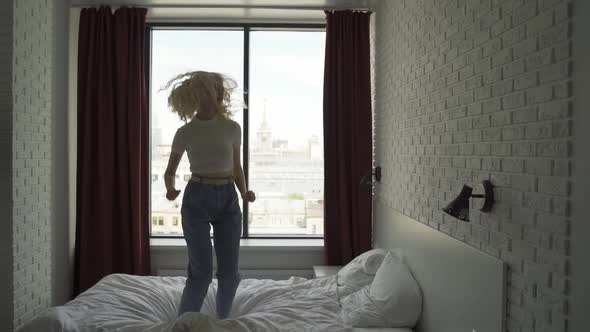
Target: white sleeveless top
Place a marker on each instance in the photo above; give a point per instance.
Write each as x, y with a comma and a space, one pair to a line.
208, 144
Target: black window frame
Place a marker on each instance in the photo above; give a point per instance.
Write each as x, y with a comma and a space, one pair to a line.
246, 28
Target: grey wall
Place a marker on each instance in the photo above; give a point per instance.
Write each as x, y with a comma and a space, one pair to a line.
300, 259
580, 280
6, 123
467, 90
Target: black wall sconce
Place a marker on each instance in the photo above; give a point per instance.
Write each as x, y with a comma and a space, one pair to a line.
459, 207
368, 178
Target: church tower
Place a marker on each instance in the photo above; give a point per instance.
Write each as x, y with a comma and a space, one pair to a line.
264, 134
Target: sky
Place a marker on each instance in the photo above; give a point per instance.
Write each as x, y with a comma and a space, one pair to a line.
286, 76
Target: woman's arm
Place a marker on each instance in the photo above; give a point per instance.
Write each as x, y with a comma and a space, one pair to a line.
239, 178
170, 176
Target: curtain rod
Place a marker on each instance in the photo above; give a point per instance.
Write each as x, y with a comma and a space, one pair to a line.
187, 6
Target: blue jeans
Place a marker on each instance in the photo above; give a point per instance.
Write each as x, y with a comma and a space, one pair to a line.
204, 205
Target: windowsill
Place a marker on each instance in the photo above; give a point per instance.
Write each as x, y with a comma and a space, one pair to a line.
248, 244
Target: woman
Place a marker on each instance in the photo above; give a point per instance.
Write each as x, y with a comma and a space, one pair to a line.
212, 142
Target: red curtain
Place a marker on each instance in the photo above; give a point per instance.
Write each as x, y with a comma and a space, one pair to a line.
112, 212
347, 136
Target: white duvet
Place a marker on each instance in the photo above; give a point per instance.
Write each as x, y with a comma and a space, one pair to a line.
128, 303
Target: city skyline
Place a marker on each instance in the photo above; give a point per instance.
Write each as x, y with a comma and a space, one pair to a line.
288, 183
284, 115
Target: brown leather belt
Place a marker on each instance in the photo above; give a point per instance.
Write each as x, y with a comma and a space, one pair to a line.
212, 180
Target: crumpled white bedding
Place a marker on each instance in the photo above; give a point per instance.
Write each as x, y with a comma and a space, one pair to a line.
128, 303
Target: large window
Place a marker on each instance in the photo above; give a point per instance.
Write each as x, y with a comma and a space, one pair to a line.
279, 70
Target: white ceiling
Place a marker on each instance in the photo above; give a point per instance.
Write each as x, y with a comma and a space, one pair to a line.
269, 11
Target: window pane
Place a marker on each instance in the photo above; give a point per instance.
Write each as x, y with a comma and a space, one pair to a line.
175, 52
286, 132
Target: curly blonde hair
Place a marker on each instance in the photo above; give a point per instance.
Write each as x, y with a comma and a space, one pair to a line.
189, 89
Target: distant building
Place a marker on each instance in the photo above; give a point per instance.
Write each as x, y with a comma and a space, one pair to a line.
288, 181
280, 144
264, 135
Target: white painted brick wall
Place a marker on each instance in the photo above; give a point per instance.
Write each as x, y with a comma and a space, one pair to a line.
467, 90
31, 173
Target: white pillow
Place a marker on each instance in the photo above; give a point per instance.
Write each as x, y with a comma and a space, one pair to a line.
359, 272
392, 300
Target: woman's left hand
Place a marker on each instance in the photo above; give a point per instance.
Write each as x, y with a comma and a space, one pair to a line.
249, 196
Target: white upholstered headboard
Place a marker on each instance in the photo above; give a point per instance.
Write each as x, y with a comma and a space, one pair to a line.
463, 288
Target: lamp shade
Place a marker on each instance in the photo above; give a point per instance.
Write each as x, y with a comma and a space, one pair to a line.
459, 207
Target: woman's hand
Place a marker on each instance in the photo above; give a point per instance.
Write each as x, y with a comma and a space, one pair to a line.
172, 194
249, 196
170, 175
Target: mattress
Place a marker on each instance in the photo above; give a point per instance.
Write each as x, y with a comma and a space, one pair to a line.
128, 303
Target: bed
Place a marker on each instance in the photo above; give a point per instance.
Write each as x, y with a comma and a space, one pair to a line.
462, 291
126, 303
